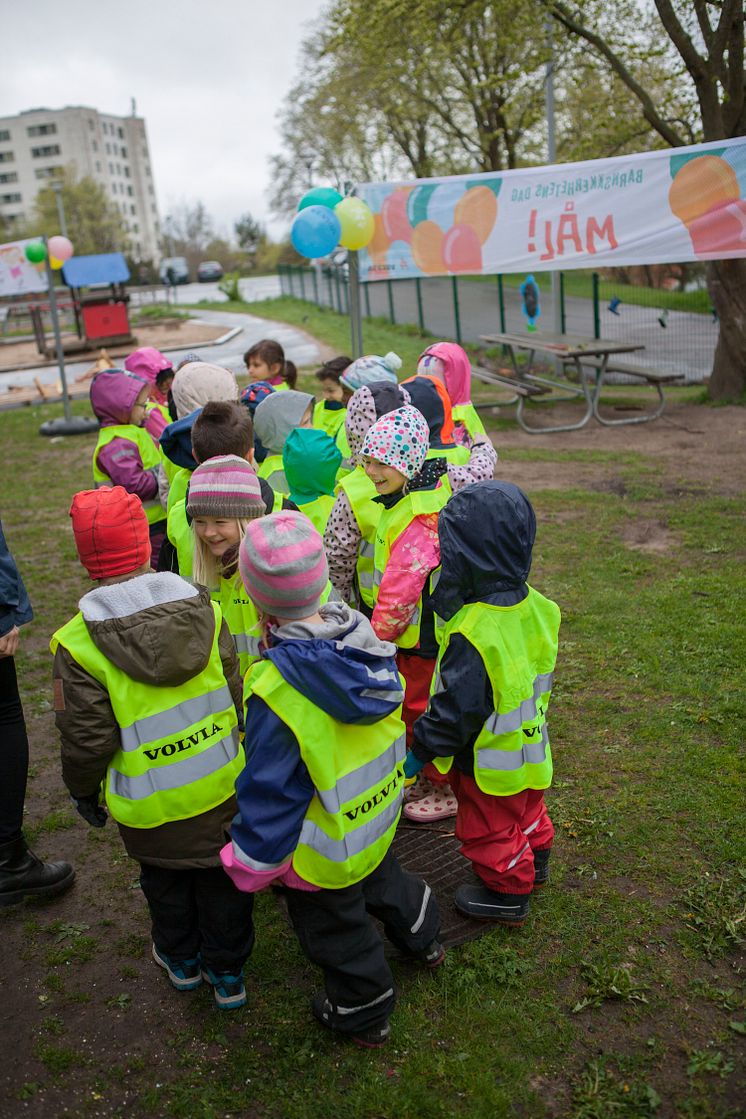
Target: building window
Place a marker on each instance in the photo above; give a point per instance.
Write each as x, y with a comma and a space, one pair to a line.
42, 129
111, 166
119, 169
6, 157
121, 133
48, 172
126, 172
129, 191
132, 210
94, 145
135, 226
108, 149
6, 199
4, 134
43, 153
98, 166
91, 125
124, 153
9, 177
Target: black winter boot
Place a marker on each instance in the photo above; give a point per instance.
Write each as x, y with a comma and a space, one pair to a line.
23, 875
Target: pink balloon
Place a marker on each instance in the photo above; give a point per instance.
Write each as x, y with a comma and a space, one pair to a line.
462, 249
60, 248
394, 215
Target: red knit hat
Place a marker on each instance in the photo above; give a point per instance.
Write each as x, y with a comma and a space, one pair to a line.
111, 531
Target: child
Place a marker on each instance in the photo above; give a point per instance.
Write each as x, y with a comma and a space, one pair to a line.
155, 368
125, 454
329, 412
320, 797
366, 370
311, 460
486, 719
251, 398
274, 419
350, 537
265, 361
448, 363
147, 700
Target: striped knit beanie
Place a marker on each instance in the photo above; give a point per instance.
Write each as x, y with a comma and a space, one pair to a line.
400, 439
283, 565
225, 486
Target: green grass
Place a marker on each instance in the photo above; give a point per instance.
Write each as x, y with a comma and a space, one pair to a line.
646, 900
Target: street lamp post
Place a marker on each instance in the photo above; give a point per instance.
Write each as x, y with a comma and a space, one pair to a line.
57, 188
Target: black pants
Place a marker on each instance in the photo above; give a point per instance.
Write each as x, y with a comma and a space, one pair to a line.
13, 753
199, 912
336, 933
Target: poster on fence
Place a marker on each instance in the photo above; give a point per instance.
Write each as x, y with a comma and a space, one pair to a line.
679, 204
17, 275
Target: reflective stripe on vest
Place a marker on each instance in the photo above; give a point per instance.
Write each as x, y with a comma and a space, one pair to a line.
518, 646
273, 471
357, 774
242, 620
391, 525
150, 456
182, 755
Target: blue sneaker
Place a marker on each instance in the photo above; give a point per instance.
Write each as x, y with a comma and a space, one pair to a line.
229, 990
185, 975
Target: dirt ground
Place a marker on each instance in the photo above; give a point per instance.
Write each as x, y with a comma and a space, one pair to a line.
83, 984
168, 335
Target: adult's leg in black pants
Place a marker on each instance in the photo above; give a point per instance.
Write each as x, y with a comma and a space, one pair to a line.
337, 935
224, 915
404, 904
22, 874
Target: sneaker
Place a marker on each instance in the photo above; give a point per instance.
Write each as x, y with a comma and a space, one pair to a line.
541, 867
432, 956
229, 990
487, 905
185, 975
374, 1037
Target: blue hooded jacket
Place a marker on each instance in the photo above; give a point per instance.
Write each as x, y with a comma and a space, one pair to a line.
336, 666
15, 608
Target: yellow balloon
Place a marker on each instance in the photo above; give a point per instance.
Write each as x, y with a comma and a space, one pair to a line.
356, 220
55, 264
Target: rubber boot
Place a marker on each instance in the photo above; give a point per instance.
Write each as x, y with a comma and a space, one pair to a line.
23, 875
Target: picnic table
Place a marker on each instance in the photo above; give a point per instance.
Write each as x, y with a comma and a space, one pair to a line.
591, 359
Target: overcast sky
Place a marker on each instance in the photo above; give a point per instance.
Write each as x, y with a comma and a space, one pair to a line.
208, 76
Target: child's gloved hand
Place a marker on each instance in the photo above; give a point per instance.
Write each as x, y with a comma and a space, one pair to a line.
91, 810
412, 765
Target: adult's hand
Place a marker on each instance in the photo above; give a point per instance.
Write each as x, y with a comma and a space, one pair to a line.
9, 643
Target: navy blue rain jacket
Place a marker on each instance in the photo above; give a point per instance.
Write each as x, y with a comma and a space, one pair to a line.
15, 607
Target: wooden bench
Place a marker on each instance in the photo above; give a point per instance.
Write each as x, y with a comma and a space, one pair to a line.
656, 378
519, 388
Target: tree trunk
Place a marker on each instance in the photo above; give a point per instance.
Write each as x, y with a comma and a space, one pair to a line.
726, 280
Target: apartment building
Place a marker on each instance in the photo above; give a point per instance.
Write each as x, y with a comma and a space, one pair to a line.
38, 143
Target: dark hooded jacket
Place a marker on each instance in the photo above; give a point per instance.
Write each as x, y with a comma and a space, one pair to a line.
158, 629
486, 537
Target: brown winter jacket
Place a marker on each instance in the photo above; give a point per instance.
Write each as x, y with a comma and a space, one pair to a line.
157, 628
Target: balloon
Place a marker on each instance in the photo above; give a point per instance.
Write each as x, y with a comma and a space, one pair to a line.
442, 204
55, 264
320, 196
394, 215
477, 208
701, 184
462, 251
60, 248
427, 248
379, 242
417, 204
399, 260
356, 223
36, 252
721, 230
315, 231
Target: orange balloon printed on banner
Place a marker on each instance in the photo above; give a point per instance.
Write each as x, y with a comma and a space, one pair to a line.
477, 208
379, 242
700, 185
394, 214
462, 251
427, 247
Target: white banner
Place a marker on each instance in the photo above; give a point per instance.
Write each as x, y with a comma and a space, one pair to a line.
17, 275
660, 207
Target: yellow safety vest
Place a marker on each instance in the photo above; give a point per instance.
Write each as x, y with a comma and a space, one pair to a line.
456, 453
328, 419
181, 535
318, 511
179, 752
242, 620
150, 456
272, 469
367, 513
358, 777
178, 486
391, 525
469, 417
518, 645
346, 465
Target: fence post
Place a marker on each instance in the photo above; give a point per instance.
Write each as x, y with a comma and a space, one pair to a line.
456, 314
366, 290
501, 301
420, 313
302, 283
392, 316
331, 288
281, 274
596, 308
563, 317
315, 287
338, 290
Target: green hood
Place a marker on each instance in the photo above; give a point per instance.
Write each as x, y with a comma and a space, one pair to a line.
311, 460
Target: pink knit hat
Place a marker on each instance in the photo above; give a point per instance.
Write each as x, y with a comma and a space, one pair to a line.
225, 486
283, 565
400, 439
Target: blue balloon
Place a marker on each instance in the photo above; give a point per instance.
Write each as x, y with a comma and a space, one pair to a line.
315, 231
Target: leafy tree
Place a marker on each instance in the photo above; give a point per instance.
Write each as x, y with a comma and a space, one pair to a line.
249, 234
94, 224
187, 232
706, 38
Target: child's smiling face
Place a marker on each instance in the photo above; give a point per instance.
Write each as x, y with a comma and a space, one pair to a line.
218, 533
332, 390
386, 479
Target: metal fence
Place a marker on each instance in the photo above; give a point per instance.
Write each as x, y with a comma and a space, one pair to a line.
464, 308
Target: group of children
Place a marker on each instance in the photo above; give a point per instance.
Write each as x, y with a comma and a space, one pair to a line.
308, 618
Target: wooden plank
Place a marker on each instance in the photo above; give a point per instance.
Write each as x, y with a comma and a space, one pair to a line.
520, 387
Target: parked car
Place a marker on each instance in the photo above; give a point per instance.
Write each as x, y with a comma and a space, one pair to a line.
209, 270
174, 270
